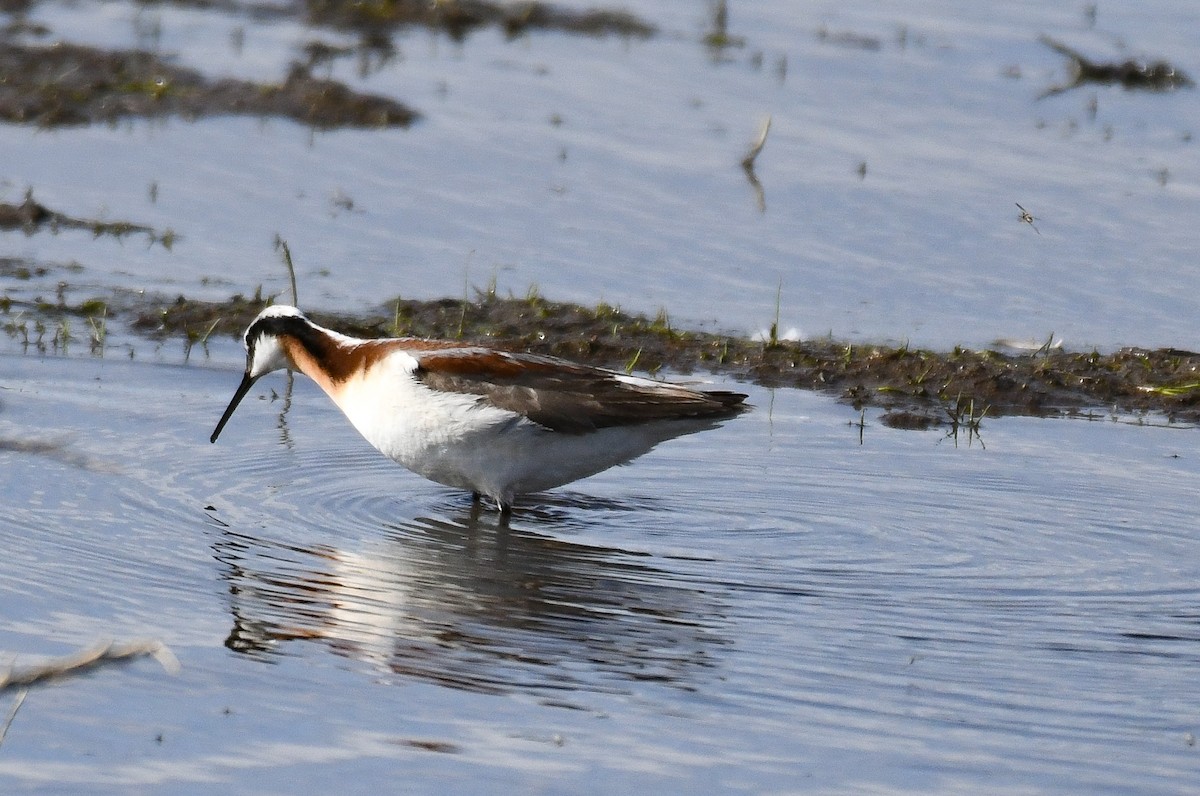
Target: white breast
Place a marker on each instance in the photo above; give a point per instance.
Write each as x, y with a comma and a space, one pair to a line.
442, 436
460, 440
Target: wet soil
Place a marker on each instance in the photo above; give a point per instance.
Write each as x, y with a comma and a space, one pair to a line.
460, 17
68, 84
919, 388
31, 216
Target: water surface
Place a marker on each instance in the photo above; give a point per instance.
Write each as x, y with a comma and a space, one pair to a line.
771, 605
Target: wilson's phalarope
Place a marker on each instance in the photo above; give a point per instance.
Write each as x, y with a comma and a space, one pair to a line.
498, 423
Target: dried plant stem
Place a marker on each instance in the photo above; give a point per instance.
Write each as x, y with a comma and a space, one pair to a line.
752, 155
281, 245
87, 658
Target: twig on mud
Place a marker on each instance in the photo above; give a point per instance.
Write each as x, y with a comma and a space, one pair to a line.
87, 658
12, 713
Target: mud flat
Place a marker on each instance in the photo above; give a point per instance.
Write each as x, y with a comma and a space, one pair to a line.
919, 387
67, 84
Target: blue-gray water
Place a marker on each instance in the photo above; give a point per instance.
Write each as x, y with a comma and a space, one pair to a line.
769, 606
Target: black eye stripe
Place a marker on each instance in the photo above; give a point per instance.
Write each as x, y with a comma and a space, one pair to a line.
277, 325
297, 327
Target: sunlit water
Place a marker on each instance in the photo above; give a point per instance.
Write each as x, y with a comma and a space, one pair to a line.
773, 605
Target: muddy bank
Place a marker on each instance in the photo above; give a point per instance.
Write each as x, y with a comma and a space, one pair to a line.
68, 84
919, 387
31, 216
460, 17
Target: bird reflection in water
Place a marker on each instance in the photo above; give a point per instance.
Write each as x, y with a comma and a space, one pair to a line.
462, 603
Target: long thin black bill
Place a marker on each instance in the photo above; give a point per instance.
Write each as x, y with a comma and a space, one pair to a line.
243, 388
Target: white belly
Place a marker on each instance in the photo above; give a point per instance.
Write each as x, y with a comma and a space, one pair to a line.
457, 440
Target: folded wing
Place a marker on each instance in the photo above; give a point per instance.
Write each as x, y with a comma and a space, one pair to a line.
564, 396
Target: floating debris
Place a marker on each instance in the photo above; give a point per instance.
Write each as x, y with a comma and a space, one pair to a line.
749, 160
88, 658
1132, 74
1027, 218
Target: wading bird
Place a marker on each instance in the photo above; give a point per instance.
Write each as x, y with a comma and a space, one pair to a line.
498, 423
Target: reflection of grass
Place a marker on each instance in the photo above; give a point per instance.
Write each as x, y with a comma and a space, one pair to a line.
606, 310
962, 417
861, 424
718, 38
99, 330
155, 88
17, 325
196, 338
457, 18
62, 335
82, 661
662, 322
55, 318
92, 307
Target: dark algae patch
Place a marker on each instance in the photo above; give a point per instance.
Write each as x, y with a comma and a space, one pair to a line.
31, 216
69, 84
1130, 74
460, 17
918, 387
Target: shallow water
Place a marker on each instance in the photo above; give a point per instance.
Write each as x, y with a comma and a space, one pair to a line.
606, 169
768, 606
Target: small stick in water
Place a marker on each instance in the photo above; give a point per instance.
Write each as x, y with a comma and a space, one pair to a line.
752, 155
87, 658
